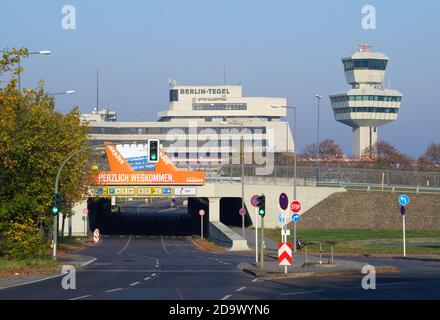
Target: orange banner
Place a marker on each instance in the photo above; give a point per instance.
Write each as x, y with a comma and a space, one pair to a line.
165, 173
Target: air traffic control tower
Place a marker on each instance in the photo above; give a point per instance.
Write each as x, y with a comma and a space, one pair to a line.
368, 104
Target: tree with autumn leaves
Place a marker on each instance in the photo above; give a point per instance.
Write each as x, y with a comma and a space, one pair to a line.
34, 141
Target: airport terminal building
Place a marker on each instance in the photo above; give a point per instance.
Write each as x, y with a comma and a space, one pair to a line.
203, 124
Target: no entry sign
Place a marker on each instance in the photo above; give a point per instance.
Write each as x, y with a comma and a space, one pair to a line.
295, 206
202, 212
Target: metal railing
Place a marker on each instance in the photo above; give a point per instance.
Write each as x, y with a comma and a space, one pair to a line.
349, 178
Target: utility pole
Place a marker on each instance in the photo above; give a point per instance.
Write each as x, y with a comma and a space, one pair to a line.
262, 244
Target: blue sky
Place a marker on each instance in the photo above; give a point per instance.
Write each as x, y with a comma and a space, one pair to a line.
273, 48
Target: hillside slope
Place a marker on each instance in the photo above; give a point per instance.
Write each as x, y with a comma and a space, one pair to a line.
373, 210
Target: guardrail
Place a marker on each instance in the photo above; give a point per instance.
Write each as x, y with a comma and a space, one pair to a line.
341, 184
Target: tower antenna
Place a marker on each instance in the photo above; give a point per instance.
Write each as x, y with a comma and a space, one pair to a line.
97, 89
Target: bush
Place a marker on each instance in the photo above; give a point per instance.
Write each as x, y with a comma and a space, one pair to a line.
22, 241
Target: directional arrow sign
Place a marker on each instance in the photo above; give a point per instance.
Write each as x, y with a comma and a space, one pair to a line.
284, 254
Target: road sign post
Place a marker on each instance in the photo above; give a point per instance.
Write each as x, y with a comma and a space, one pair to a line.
254, 203
295, 206
404, 201
201, 213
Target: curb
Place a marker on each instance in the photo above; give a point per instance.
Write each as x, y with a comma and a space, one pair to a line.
354, 272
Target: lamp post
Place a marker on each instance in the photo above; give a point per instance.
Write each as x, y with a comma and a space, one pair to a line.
41, 52
318, 97
242, 169
55, 218
294, 166
61, 93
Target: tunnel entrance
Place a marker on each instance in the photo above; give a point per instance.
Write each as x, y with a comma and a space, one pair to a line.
229, 213
158, 217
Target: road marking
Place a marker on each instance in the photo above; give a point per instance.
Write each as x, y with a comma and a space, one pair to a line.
163, 244
167, 210
300, 292
240, 289
147, 278
126, 246
226, 297
89, 262
153, 275
255, 280
82, 297
134, 283
34, 281
178, 292
113, 290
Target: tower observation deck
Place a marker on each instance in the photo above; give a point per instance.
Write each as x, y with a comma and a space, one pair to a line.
368, 104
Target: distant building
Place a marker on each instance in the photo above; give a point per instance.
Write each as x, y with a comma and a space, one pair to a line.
367, 105
205, 122
103, 115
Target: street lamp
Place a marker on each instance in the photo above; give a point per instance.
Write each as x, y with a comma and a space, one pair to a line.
317, 141
242, 169
294, 165
41, 52
60, 93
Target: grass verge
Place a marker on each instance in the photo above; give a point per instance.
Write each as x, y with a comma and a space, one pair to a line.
367, 241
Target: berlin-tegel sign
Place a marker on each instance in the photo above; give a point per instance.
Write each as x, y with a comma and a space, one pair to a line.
129, 167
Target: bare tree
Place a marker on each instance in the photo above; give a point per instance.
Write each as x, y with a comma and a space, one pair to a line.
430, 159
385, 156
329, 151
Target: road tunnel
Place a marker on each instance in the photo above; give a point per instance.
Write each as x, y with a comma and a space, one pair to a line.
158, 217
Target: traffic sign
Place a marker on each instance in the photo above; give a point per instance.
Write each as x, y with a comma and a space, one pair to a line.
295, 206
281, 217
242, 211
284, 201
296, 217
146, 200
85, 211
284, 254
96, 235
402, 210
202, 212
403, 200
254, 200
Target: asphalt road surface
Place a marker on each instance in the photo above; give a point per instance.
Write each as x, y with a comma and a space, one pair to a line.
155, 267
171, 267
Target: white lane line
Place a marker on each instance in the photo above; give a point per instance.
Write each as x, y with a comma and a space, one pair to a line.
126, 246
180, 295
163, 244
134, 283
82, 297
147, 278
153, 275
34, 281
89, 262
226, 297
300, 292
240, 289
113, 290
255, 280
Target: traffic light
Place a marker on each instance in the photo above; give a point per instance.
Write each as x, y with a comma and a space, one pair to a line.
153, 150
57, 201
262, 205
